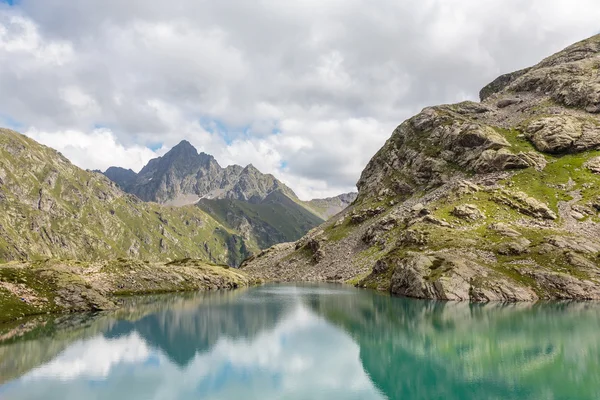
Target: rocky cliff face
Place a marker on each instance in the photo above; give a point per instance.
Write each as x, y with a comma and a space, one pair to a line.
496, 200
51, 208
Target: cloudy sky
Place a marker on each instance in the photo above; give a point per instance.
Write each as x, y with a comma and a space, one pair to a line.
307, 90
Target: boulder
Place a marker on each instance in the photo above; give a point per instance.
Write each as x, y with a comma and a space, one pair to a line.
466, 187
468, 211
577, 215
515, 248
507, 102
360, 216
499, 160
504, 229
595, 203
374, 234
593, 164
314, 246
380, 267
417, 207
410, 237
579, 244
524, 204
534, 159
436, 221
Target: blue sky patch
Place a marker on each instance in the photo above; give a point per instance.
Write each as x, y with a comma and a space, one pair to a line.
228, 133
8, 122
155, 146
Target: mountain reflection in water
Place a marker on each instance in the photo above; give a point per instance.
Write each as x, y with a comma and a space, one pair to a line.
309, 342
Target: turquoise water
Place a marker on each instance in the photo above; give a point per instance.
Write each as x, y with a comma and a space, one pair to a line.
308, 342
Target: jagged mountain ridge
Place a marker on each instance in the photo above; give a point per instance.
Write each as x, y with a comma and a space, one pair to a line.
497, 200
184, 176
258, 206
51, 208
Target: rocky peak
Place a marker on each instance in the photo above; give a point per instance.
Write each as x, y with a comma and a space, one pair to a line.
554, 105
330, 206
121, 176
183, 149
578, 61
182, 176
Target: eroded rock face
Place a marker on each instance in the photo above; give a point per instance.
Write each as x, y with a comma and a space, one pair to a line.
425, 150
568, 77
563, 134
447, 277
500, 83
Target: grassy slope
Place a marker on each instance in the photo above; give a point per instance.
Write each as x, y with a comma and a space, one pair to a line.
276, 219
51, 208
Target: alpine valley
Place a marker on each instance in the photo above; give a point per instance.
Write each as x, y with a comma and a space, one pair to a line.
71, 238
496, 200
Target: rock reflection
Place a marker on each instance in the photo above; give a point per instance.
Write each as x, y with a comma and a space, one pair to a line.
312, 342
423, 349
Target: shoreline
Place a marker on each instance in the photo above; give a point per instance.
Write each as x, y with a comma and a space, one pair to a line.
68, 286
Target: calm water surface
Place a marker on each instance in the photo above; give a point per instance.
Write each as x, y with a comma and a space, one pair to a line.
309, 342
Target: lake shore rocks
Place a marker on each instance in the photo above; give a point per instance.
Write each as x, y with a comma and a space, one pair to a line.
58, 286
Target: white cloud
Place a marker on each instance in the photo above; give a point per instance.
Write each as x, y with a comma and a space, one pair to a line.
331, 79
93, 359
19, 36
97, 149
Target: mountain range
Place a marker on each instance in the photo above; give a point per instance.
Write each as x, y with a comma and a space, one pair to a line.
262, 209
